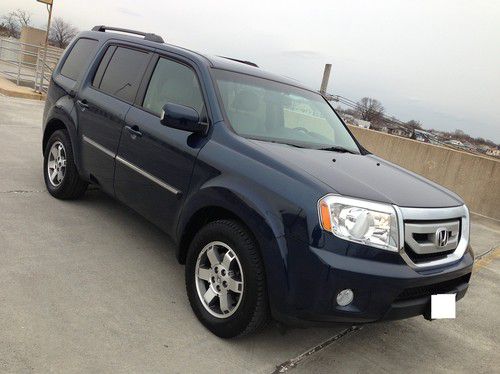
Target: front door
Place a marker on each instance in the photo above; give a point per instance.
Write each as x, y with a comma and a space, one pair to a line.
154, 162
101, 107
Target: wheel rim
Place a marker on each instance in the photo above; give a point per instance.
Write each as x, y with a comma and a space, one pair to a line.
219, 279
56, 164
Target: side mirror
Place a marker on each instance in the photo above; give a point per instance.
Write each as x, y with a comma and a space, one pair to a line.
182, 117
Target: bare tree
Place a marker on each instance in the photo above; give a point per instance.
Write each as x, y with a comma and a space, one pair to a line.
370, 110
9, 24
61, 32
414, 124
13, 22
22, 17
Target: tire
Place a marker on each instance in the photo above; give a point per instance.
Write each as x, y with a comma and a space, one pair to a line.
66, 184
250, 311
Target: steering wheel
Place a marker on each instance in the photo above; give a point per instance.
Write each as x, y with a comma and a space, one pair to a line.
302, 129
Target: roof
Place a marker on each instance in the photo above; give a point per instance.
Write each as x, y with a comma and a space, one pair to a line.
238, 67
215, 62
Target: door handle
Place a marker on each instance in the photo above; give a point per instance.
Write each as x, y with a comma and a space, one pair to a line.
83, 104
134, 131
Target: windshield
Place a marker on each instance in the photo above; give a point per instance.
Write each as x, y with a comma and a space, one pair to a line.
266, 110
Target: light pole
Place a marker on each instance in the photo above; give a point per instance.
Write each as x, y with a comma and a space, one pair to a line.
49, 4
326, 78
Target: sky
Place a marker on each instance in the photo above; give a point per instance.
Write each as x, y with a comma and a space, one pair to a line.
435, 61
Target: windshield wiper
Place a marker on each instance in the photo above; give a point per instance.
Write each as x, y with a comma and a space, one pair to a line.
276, 142
339, 149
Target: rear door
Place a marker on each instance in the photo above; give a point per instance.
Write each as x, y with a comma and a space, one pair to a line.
155, 162
102, 103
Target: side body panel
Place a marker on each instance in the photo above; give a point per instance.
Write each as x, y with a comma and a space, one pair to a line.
155, 162
267, 198
167, 157
101, 122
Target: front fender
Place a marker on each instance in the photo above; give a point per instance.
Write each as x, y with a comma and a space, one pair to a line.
254, 211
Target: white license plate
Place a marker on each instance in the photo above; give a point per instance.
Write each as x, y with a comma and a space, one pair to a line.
443, 306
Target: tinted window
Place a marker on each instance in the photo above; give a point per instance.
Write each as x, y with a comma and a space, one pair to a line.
102, 66
124, 73
175, 83
79, 58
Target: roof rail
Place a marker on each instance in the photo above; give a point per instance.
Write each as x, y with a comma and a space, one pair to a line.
147, 36
241, 61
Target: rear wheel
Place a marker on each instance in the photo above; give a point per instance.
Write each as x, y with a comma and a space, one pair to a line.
225, 280
61, 176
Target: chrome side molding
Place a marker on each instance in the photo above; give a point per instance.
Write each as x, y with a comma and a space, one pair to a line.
145, 174
98, 146
130, 165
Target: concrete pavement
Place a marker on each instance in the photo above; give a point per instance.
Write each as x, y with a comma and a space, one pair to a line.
90, 286
9, 88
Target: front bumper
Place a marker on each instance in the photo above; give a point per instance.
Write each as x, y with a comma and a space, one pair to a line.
383, 290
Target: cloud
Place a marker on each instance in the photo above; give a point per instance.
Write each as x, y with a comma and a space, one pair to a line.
302, 53
128, 12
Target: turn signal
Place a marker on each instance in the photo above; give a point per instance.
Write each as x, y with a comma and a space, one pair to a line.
326, 217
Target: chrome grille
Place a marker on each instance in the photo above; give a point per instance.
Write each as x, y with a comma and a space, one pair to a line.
432, 237
422, 246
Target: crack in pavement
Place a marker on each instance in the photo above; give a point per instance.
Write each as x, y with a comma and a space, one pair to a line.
20, 191
292, 363
23, 126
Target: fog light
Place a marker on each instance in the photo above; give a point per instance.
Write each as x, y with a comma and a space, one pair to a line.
345, 297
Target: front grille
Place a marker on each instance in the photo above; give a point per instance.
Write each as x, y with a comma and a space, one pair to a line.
433, 237
432, 289
420, 239
417, 258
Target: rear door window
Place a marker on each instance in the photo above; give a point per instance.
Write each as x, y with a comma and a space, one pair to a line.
124, 72
175, 83
102, 66
78, 59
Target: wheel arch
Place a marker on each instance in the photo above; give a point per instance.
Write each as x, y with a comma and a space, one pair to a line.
200, 218
52, 126
214, 203
61, 117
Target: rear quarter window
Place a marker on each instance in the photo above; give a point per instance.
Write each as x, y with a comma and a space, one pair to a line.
79, 58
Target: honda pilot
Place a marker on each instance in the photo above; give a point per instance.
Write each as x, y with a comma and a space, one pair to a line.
275, 208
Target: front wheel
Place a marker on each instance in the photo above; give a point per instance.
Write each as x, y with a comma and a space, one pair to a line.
225, 280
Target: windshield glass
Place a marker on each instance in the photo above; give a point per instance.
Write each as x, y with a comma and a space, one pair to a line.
266, 110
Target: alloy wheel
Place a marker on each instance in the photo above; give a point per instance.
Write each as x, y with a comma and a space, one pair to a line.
219, 279
56, 164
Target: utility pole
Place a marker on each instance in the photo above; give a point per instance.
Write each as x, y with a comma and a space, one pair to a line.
49, 4
326, 78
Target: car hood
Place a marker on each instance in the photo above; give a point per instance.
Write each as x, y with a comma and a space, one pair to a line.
364, 176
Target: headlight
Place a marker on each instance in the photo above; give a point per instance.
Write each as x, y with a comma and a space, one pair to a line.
360, 221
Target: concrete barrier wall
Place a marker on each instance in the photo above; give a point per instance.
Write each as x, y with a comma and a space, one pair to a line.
475, 178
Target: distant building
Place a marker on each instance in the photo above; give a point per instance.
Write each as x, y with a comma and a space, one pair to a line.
362, 123
422, 136
456, 143
350, 120
401, 131
483, 148
493, 152
468, 146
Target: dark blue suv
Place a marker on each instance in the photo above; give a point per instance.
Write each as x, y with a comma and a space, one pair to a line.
276, 209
